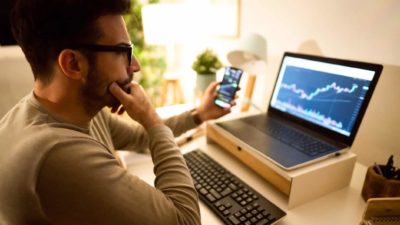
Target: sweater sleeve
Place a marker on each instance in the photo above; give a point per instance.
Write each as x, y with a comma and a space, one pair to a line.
80, 182
131, 136
181, 123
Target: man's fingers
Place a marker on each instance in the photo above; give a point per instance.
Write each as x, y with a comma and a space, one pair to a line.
212, 87
121, 111
118, 92
114, 109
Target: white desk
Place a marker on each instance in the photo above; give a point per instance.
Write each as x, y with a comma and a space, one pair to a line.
342, 207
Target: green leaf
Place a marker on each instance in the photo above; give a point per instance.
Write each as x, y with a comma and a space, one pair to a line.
152, 59
207, 62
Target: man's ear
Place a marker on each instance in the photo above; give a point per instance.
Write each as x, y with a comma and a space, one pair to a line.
72, 63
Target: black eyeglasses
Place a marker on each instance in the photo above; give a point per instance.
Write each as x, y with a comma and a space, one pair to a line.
109, 48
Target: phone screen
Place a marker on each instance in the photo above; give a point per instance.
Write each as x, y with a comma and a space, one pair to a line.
228, 86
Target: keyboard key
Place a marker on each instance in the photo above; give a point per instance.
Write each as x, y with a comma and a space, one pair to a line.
210, 198
203, 191
234, 220
217, 204
226, 212
227, 191
232, 186
263, 222
215, 194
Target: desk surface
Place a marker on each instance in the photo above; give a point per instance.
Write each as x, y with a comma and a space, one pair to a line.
344, 206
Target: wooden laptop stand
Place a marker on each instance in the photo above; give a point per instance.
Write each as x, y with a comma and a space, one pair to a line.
300, 185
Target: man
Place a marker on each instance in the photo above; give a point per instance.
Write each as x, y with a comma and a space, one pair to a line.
57, 162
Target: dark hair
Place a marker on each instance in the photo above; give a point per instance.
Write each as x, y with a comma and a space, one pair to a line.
43, 28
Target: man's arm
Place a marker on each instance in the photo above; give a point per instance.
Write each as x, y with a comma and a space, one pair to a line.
80, 182
133, 137
207, 110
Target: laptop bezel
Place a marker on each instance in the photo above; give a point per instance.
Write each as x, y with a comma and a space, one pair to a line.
336, 137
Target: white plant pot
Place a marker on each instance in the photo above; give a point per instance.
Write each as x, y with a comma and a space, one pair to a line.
203, 81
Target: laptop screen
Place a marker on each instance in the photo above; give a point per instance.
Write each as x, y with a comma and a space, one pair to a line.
330, 93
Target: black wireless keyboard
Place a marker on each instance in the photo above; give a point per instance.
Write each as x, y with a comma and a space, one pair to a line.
227, 196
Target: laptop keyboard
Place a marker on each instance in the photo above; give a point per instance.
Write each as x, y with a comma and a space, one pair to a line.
227, 196
297, 139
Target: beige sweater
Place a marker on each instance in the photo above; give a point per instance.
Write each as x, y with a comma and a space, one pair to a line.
52, 172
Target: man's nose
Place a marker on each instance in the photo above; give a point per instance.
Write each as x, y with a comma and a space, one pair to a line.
134, 66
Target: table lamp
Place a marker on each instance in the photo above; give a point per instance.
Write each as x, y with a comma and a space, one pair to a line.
249, 54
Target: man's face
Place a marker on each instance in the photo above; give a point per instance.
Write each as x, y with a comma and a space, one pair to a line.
109, 66
94, 93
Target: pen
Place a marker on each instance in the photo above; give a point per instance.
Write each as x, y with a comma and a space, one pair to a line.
378, 169
389, 168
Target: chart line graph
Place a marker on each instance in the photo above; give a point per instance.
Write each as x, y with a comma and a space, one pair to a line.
321, 98
333, 86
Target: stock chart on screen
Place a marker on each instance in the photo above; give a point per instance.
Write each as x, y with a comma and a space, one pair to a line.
330, 100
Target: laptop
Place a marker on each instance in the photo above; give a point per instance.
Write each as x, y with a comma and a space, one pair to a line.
314, 112
382, 211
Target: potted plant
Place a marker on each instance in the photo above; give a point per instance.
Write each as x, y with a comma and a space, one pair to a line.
206, 66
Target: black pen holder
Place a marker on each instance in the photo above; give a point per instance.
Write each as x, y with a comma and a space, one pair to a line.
376, 185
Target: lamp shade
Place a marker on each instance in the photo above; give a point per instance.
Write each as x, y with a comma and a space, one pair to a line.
249, 54
251, 47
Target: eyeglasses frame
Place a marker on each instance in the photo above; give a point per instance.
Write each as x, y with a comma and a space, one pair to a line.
128, 49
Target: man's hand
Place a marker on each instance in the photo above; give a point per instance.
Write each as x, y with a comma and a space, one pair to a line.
207, 109
136, 104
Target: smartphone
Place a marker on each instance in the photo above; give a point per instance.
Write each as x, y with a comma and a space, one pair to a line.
228, 87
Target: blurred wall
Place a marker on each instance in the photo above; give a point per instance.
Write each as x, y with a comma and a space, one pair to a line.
364, 30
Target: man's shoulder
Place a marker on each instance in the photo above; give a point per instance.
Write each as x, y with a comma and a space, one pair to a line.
38, 130
29, 128
44, 137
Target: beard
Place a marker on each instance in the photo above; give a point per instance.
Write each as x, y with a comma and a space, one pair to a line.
95, 93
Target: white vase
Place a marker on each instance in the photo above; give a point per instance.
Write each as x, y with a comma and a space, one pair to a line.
203, 81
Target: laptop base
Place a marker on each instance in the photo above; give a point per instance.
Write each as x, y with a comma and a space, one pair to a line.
299, 185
